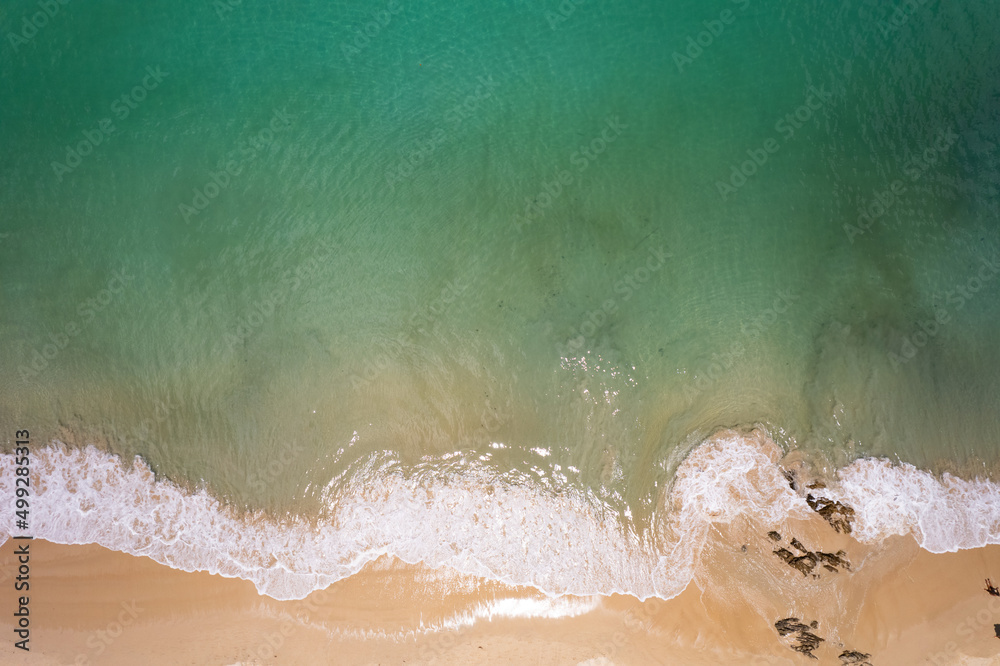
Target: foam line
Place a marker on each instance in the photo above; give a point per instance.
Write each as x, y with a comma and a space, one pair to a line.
521, 534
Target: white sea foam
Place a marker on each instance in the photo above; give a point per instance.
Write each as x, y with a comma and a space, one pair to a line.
943, 515
566, 542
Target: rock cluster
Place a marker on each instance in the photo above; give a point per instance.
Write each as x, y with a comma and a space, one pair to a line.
854, 657
807, 561
838, 515
805, 640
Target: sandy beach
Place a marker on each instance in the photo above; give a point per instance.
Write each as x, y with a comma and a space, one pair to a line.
901, 605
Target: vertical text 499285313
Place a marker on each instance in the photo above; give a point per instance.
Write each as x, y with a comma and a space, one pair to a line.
22, 581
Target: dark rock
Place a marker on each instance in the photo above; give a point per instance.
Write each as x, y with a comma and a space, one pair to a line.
807, 642
834, 560
804, 563
816, 484
838, 515
790, 477
743, 548
853, 657
774, 536
996, 628
784, 554
790, 625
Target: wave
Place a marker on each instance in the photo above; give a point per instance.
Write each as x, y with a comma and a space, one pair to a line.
943, 515
568, 542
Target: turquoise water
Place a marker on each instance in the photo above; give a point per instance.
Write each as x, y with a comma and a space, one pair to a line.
499, 237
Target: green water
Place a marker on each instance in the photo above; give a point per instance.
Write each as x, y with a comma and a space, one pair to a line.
322, 294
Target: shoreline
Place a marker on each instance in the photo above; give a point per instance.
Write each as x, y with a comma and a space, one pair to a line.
905, 605
559, 541
773, 570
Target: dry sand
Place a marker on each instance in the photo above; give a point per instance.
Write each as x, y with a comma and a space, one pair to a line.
905, 606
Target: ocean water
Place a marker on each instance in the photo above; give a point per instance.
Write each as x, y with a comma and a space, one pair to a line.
499, 287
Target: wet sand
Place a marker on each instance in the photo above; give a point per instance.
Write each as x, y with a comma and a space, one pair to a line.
902, 605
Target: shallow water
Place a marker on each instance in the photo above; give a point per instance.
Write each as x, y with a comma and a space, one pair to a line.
490, 249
